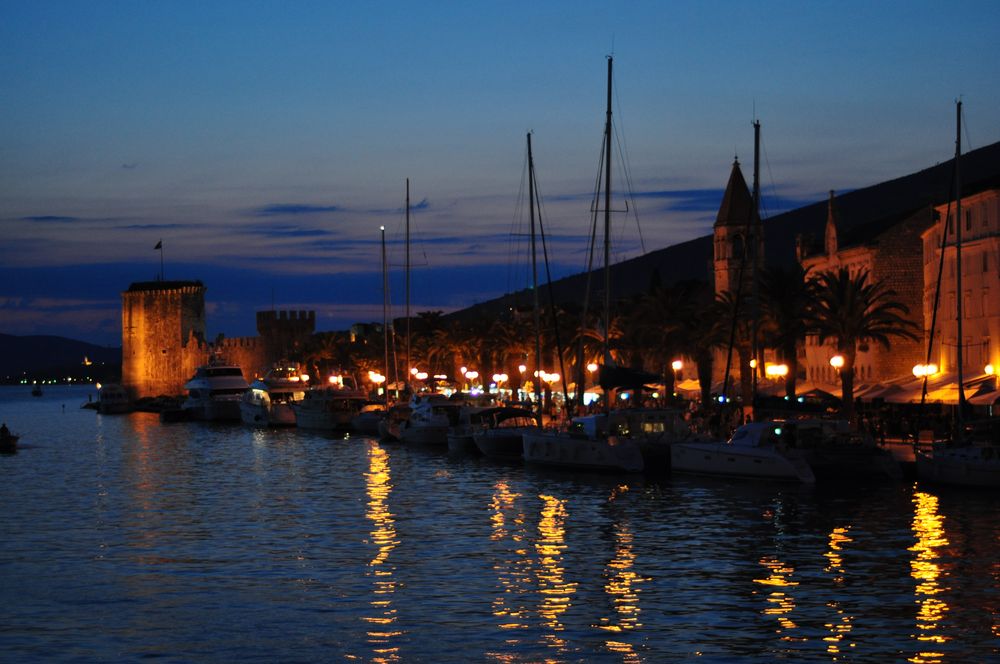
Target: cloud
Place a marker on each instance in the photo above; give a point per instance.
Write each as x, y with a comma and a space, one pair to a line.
293, 209
51, 218
288, 231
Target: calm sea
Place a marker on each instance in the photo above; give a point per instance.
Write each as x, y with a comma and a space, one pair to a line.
123, 538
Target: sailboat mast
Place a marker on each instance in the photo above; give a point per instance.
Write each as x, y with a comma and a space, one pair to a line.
607, 222
385, 314
407, 268
755, 246
958, 259
534, 284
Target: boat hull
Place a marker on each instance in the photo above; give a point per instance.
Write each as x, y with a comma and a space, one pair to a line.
501, 443
213, 410
261, 415
724, 459
560, 450
973, 466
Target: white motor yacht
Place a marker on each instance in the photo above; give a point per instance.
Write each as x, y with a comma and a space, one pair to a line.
756, 450
330, 407
268, 401
214, 393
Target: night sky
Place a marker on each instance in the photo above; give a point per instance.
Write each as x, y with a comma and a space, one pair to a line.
265, 143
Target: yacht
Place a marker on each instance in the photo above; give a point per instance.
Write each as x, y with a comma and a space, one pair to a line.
756, 450
366, 420
332, 406
501, 435
974, 461
587, 444
214, 392
269, 400
431, 416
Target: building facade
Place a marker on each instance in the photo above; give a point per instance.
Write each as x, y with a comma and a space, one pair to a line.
979, 292
891, 254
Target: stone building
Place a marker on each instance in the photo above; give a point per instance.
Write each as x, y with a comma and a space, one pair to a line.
890, 252
163, 338
980, 284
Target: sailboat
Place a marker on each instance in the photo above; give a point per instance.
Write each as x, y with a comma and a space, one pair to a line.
608, 441
969, 460
503, 437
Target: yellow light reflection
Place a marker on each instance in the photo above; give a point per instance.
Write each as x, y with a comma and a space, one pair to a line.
781, 602
928, 528
622, 588
555, 591
511, 569
841, 627
378, 484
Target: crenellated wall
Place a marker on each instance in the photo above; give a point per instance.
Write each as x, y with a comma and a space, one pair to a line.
163, 338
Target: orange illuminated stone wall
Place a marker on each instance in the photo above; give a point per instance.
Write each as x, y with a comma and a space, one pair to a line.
163, 336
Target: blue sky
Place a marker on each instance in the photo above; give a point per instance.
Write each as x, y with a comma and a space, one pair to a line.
266, 142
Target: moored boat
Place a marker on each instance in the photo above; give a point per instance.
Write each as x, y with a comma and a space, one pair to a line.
589, 444
501, 435
431, 416
330, 407
8, 440
268, 401
113, 399
214, 393
365, 421
756, 451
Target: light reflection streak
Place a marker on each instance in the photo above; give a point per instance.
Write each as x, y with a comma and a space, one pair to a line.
552, 585
511, 568
928, 527
843, 625
781, 602
622, 588
382, 630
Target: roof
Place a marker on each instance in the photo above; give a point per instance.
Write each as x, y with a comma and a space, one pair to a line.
737, 203
162, 285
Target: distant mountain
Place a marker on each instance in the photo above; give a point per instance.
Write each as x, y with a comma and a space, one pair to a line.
44, 356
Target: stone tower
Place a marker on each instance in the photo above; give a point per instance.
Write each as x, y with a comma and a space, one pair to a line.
738, 236
163, 333
283, 333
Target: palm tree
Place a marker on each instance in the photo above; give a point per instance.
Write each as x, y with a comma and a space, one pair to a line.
851, 311
785, 297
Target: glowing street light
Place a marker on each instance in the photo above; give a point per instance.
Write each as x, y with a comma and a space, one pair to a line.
989, 370
837, 361
676, 365
776, 370
921, 370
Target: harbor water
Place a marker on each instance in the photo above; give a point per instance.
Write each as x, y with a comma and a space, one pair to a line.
124, 538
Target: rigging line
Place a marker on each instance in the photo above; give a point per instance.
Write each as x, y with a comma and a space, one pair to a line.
514, 240
770, 174
625, 161
552, 300
937, 288
630, 195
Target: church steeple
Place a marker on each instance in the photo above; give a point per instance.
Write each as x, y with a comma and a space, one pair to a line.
830, 237
737, 232
737, 203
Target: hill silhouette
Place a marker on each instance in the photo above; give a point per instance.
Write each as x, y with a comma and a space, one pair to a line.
51, 357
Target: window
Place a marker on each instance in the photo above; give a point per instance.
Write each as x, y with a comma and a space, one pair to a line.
968, 219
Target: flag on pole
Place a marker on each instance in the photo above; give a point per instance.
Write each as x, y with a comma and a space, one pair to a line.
159, 245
